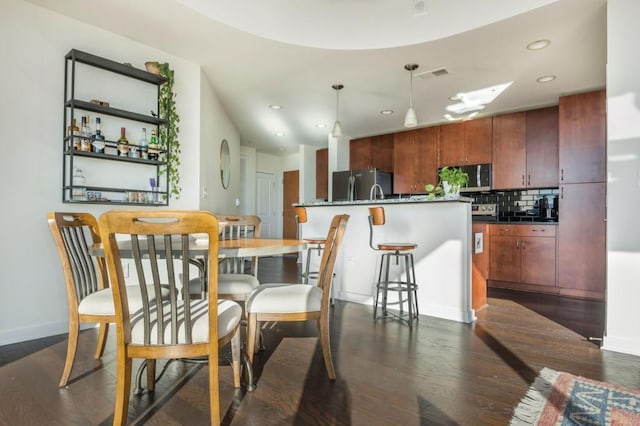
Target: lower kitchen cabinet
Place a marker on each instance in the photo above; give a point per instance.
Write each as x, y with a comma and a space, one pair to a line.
522, 256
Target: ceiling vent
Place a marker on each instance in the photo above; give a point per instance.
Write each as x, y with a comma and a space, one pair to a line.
438, 72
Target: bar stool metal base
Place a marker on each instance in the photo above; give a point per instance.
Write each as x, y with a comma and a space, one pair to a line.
385, 286
307, 274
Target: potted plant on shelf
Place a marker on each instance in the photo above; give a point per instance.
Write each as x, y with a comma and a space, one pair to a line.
169, 138
452, 179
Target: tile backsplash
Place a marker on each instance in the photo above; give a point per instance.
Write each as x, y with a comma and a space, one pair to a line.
514, 201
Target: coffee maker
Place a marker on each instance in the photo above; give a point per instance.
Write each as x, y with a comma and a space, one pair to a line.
548, 208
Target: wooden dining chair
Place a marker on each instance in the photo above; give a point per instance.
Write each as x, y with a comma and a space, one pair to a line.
300, 302
176, 326
89, 298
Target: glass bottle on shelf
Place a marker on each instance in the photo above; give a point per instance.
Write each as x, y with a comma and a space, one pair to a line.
123, 143
98, 138
78, 192
85, 142
73, 131
153, 151
134, 152
144, 142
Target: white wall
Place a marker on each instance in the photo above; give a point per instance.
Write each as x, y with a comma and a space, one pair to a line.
35, 40
623, 169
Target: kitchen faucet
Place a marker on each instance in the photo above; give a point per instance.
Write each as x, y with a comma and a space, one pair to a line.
374, 189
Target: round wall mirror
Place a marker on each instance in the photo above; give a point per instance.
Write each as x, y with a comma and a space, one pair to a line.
225, 163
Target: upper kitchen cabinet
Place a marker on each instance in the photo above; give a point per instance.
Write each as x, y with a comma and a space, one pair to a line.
542, 147
468, 142
322, 174
372, 152
415, 160
509, 151
525, 149
582, 153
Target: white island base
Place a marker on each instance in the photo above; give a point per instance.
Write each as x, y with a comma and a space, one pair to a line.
442, 230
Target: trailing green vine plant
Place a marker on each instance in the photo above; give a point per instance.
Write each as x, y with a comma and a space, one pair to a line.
168, 139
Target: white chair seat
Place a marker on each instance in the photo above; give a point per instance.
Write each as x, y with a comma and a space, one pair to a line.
101, 302
285, 298
237, 283
229, 314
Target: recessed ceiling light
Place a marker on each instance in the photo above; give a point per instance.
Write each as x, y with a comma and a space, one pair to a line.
274, 106
545, 78
386, 112
279, 134
538, 44
321, 125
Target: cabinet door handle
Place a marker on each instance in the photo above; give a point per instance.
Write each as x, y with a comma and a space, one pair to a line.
561, 174
523, 245
528, 180
517, 244
562, 193
522, 180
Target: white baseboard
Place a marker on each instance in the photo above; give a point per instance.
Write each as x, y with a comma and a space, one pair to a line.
621, 344
8, 337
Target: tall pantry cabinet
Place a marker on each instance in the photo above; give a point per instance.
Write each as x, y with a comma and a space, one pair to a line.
582, 204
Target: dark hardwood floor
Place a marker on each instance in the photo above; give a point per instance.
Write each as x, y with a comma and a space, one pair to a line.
438, 373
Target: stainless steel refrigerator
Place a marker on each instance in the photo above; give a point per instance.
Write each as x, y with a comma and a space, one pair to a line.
351, 185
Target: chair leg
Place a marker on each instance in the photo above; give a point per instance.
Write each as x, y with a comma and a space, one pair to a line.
72, 346
123, 388
103, 333
235, 357
252, 335
151, 374
214, 386
325, 343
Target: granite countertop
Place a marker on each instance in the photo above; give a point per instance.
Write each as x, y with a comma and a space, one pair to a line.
412, 199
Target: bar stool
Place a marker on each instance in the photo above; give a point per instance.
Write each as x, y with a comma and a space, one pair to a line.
315, 244
399, 252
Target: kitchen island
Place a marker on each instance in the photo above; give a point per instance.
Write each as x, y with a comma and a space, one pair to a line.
440, 227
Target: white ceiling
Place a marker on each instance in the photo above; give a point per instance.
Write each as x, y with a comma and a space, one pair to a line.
256, 53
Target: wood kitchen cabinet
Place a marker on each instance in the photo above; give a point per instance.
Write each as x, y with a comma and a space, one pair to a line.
582, 240
525, 149
582, 142
372, 152
522, 256
322, 174
415, 160
467, 142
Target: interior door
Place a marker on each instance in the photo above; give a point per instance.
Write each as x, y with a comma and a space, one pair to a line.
266, 196
291, 183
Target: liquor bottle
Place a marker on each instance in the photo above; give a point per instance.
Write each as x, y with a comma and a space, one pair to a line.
144, 142
79, 192
123, 143
85, 142
98, 138
134, 152
152, 149
73, 131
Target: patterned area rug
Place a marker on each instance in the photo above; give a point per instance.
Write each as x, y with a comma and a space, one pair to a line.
558, 398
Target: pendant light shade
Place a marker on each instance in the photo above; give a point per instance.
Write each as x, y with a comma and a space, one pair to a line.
410, 120
337, 127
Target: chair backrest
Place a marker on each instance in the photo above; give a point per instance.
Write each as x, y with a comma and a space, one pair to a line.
329, 256
376, 218
239, 226
73, 234
164, 241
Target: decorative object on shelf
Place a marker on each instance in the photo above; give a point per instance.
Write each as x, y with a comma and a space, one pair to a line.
337, 127
169, 138
225, 163
433, 191
452, 179
410, 120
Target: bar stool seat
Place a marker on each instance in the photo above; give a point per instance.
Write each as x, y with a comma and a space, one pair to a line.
402, 254
314, 244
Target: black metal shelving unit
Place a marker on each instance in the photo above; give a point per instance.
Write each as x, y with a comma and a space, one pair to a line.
72, 105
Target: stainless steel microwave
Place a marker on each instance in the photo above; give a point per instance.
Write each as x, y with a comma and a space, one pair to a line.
479, 177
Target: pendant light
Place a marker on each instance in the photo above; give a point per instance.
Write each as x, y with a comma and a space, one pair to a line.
410, 120
337, 127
